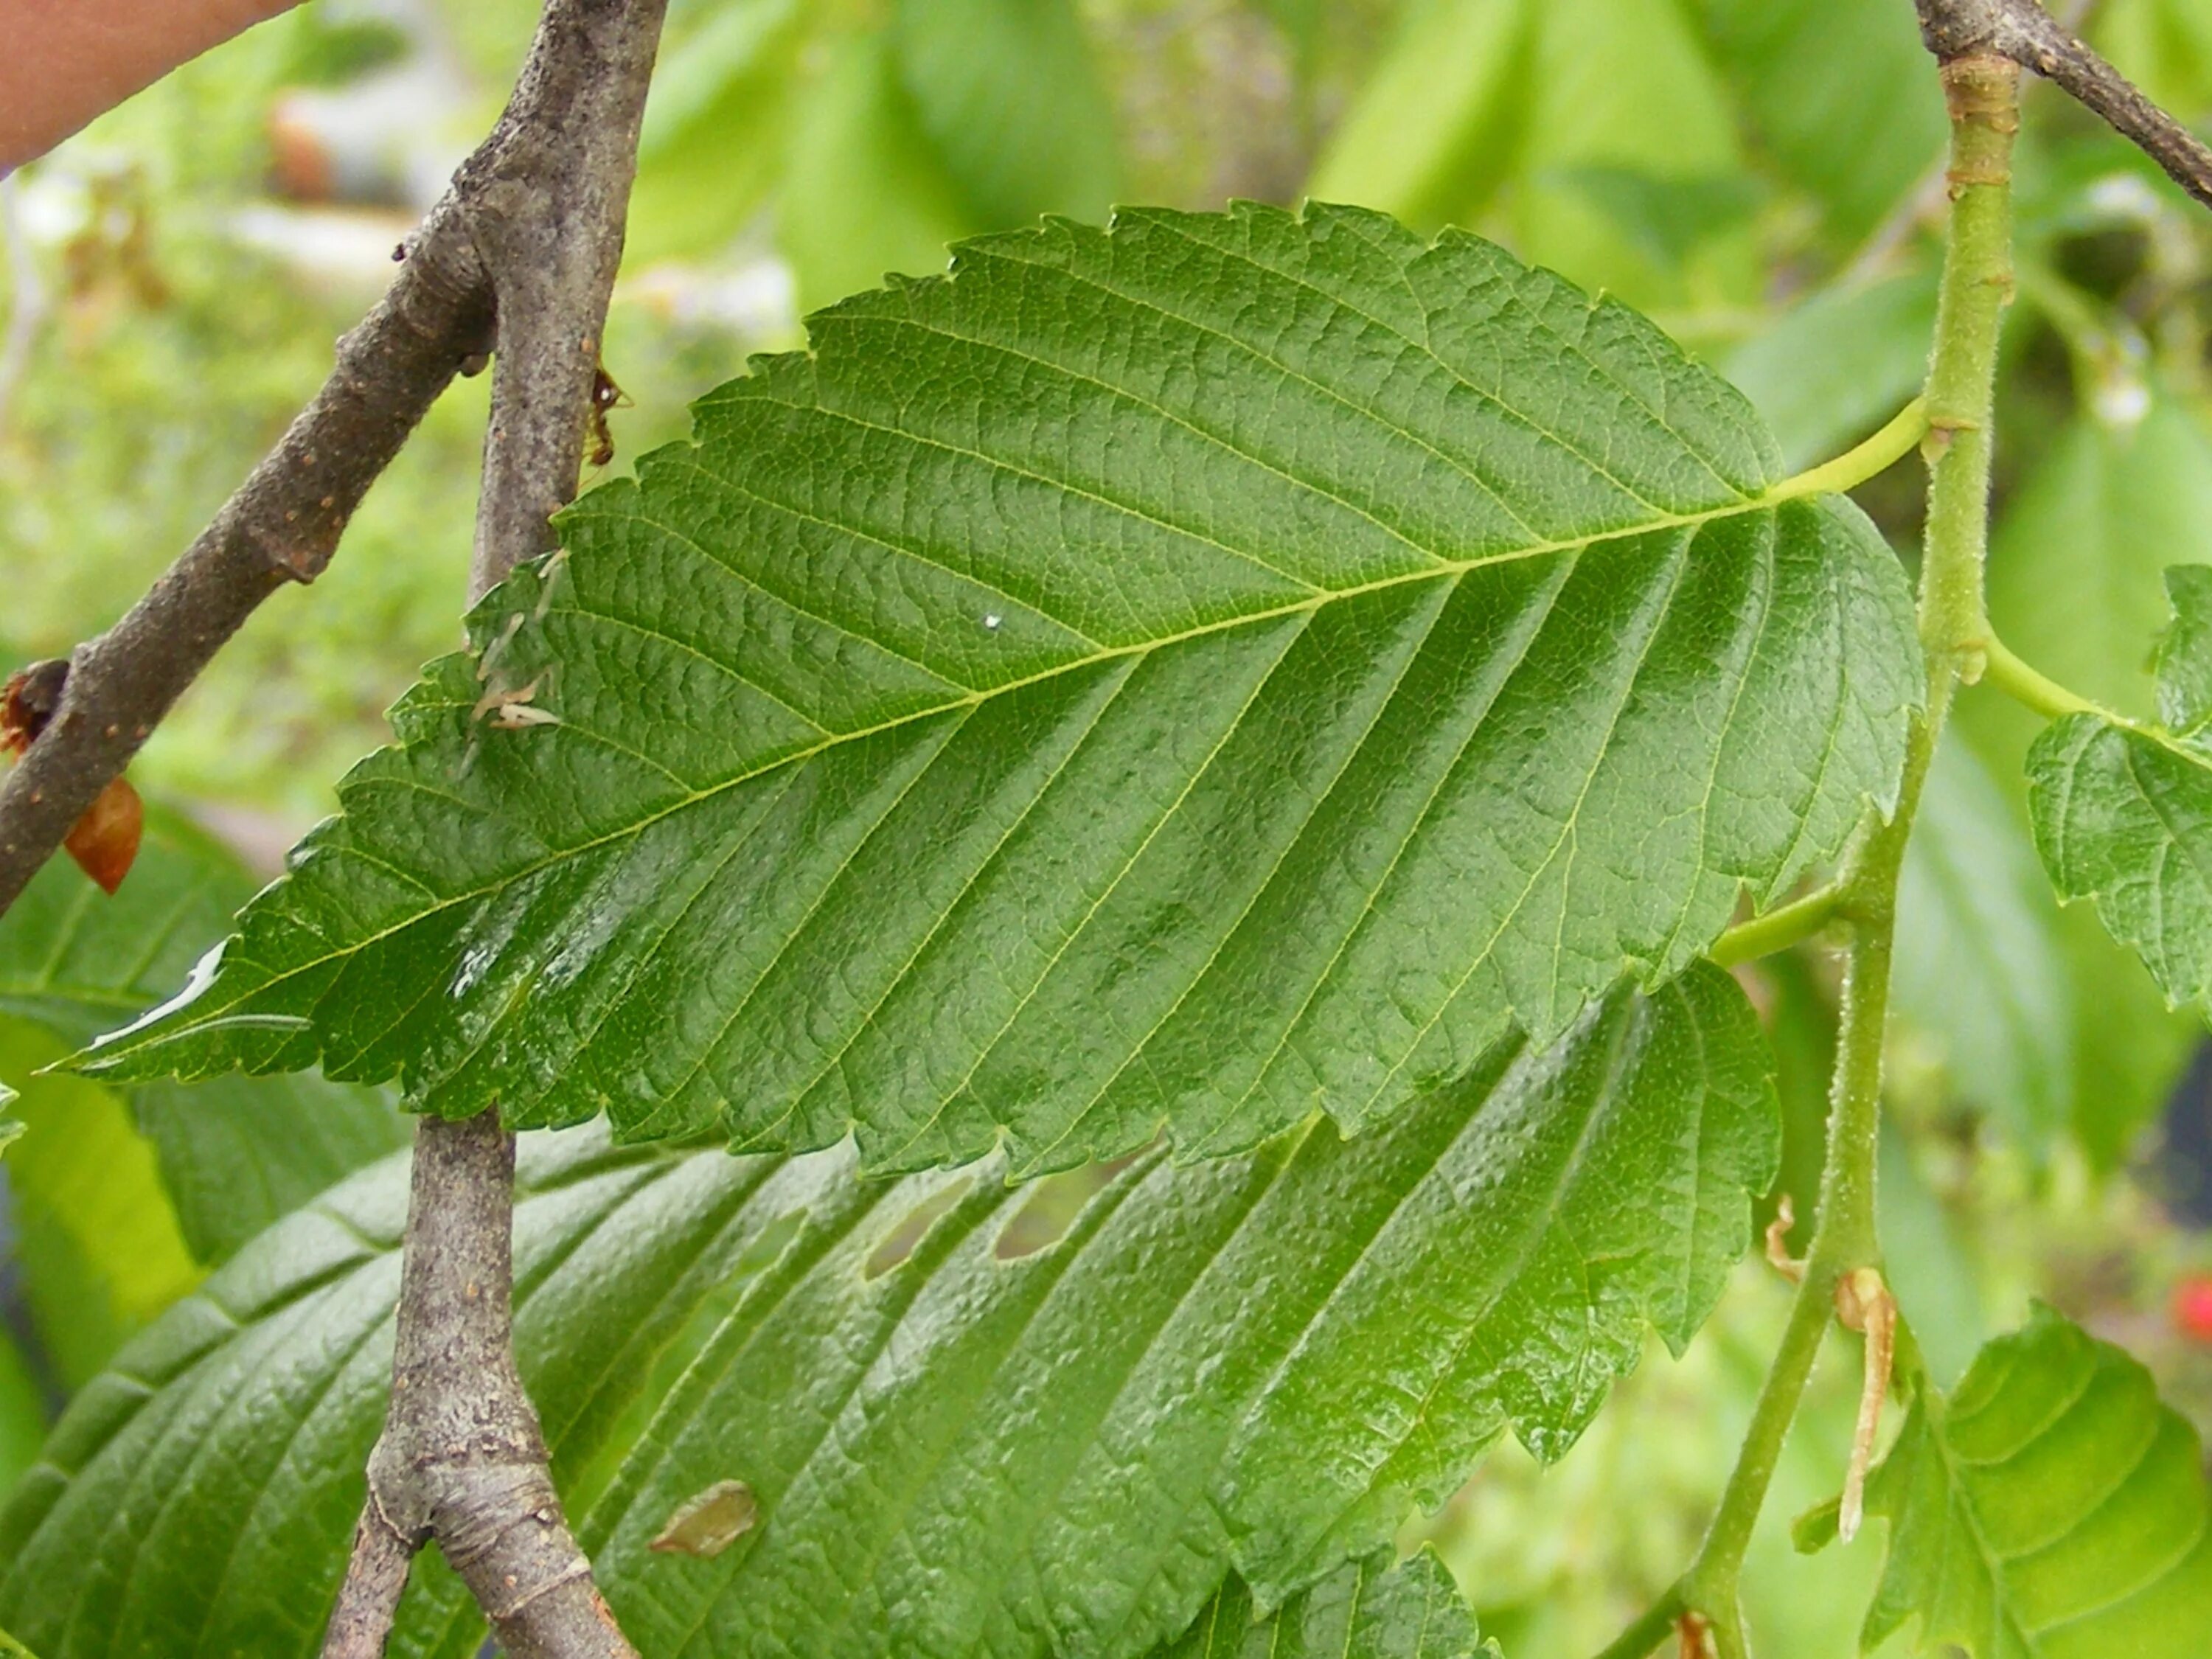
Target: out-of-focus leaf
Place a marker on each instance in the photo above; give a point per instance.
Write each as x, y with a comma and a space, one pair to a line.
1007, 93
1268, 714
716, 131
1585, 126
1841, 97
2075, 588
865, 192
1624, 85
1667, 218
1839, 364
1370, 1609
22, 1415
2164, 46
1929, 1263
234, 1156
1254, 1363
95, 1235
1438, 121
1978, 966
2051, 1508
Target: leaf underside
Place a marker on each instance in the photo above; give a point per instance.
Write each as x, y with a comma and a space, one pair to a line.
2123, 813
1184, 675
961, 1445
2051, 1509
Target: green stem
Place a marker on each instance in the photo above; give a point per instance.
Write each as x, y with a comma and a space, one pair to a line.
2038, 691
1984, 96
1652, 1626
1778, 929
1984, 92
1855, 466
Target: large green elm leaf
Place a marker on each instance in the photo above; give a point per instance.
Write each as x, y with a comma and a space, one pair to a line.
961, 1445
1191, 675
236, 1153
1364, 1610
2051, 1508
2122, 811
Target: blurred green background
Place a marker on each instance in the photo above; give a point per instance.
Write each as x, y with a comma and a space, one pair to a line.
1762, 176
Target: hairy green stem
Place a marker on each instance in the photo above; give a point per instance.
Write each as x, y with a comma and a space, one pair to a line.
1983, 92
1856, 465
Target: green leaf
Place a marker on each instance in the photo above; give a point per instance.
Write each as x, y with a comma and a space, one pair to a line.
717, 126
1624, 85
2074, 588
1980, 969
864, 189
1000, 729
233, 1155
1368, 1609
1434, 130
2123, 813
95, 1238
2051, 1507
1007, 93
22, 1415
1840, 98
1513, 110
963, 1440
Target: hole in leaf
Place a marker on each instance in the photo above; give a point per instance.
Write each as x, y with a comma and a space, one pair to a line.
1053, 1203
902, 1240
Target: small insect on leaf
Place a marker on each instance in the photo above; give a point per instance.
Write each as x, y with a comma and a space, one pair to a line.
709, 1522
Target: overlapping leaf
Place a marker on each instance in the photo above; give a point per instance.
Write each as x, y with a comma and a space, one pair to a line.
1189, 674
961, 1445
2075, 567
1364, 1610
2122, 813
235, 1155
2052, 1507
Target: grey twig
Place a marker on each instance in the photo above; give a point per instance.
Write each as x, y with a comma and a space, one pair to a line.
462, 1458
282, 526
2023, 31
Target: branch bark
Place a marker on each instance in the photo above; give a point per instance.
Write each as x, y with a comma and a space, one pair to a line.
282, 526
2022, 31
462, 1459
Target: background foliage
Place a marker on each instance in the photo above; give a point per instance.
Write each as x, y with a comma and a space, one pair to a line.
1760, 176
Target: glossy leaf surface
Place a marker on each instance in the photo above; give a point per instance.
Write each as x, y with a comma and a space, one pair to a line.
1187, 675
960, 1443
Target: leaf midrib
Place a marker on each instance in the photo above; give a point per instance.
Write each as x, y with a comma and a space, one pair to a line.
103, 1053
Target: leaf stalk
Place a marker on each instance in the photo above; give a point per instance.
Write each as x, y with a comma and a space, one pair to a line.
1983, 92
